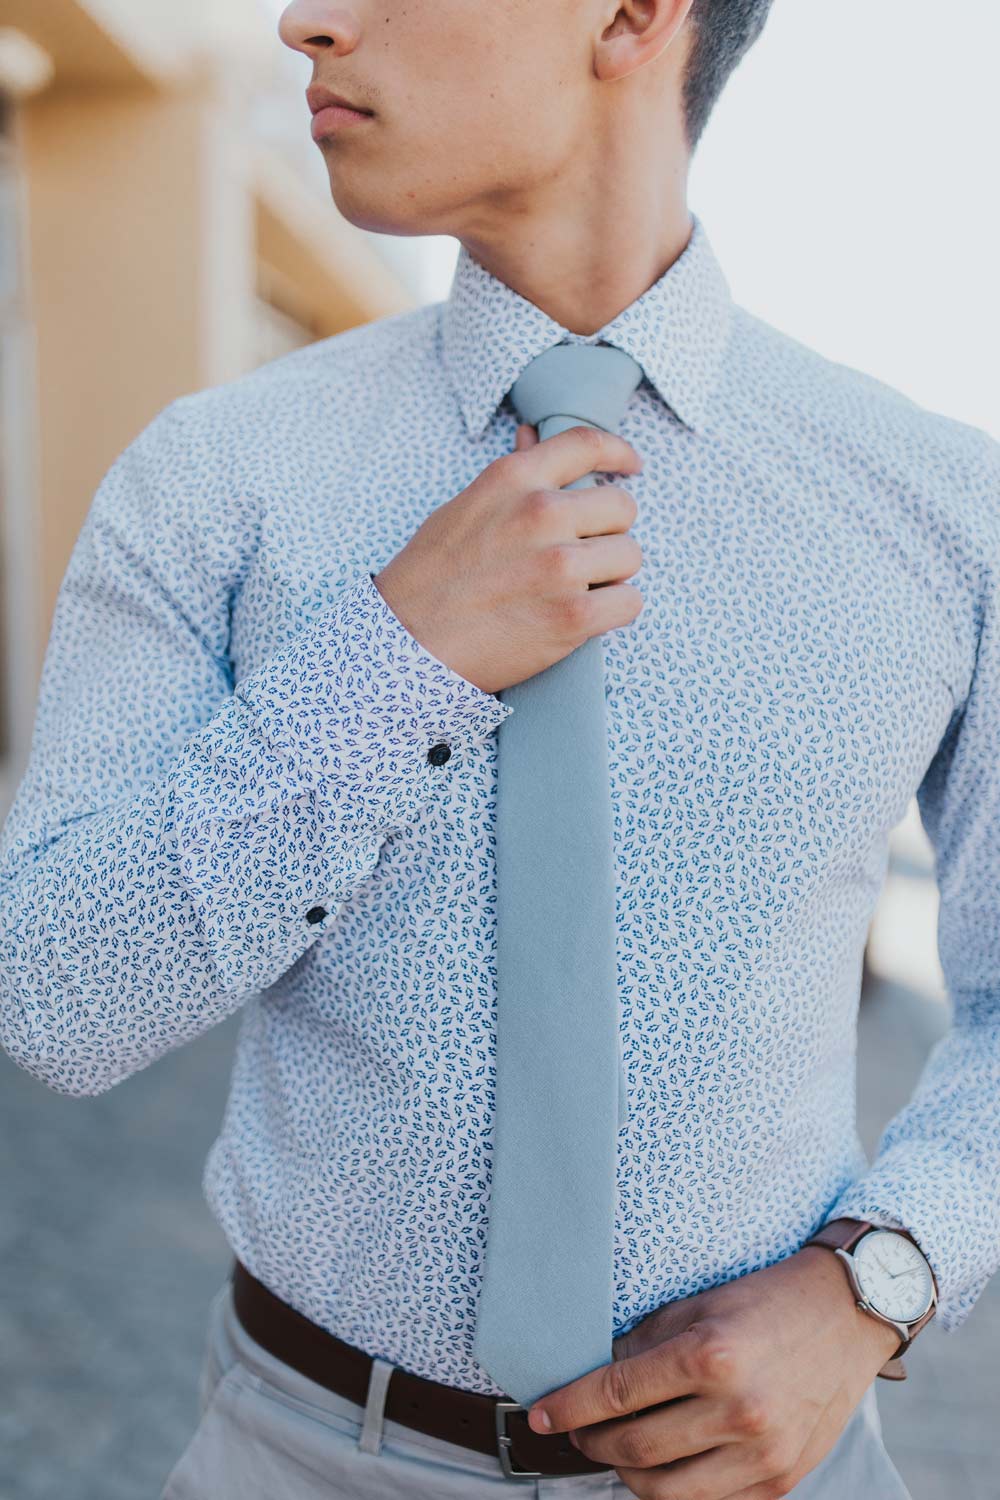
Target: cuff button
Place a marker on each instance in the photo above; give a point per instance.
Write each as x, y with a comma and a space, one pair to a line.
438, 754
316, 913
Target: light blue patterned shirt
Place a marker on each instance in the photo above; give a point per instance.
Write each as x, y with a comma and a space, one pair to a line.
229, 804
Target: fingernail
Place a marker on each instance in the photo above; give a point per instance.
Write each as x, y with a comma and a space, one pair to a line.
539, 1419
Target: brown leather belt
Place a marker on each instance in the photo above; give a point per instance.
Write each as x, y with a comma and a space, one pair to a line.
489, 1424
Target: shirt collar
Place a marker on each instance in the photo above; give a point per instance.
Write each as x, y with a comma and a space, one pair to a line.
676, 330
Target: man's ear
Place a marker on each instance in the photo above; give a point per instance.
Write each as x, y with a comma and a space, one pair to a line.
637, 33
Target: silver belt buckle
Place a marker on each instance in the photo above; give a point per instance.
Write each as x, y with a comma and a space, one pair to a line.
504, 1443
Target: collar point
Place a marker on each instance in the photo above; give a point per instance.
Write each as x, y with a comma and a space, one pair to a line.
476, 414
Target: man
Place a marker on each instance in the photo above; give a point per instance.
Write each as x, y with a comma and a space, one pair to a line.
263, 776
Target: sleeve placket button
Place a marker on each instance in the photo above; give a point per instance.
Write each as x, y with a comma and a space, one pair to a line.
315, 913
438, 754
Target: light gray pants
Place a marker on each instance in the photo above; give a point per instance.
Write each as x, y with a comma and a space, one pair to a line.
268, 1433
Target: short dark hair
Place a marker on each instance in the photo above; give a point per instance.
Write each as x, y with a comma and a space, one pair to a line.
723, 31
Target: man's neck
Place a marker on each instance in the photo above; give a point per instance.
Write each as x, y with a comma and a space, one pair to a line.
583, 281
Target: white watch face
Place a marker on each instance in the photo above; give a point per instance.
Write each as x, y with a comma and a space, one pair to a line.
893, 1275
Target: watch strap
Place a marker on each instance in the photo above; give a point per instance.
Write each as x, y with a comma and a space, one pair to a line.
840, 1234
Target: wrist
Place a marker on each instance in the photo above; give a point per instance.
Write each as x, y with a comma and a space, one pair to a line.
397, 600
428, 633
875, 1339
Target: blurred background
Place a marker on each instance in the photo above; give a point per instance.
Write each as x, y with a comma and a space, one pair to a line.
165, 225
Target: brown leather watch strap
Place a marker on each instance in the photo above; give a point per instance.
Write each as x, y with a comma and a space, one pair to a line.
840, 1234
843, 1234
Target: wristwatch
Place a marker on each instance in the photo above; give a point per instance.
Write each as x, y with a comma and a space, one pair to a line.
891, 1277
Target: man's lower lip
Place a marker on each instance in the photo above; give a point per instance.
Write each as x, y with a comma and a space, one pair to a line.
331, 118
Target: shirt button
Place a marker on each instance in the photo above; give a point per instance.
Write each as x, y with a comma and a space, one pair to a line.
315, 913
438, 754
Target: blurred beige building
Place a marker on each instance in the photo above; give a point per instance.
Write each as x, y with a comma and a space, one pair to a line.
165, 224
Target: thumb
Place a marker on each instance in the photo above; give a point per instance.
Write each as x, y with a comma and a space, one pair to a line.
525, 437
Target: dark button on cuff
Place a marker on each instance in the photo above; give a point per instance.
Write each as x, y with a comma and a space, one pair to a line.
315, 913
438, 754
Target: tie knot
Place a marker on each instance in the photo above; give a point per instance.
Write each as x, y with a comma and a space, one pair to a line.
576, 383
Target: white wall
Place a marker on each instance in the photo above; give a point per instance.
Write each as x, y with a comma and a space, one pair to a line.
848, 180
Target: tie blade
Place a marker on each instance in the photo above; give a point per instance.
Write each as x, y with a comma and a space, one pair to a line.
545, 1306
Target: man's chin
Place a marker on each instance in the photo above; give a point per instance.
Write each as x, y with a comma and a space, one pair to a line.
377, 212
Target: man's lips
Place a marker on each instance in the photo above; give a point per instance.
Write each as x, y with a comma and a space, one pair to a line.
319, 98
335, 118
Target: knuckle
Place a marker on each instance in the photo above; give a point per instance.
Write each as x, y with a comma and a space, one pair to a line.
619, 1387
593, 437
572, 613
637, 1448
710, 1355
751, 1416
561, 563
537, 506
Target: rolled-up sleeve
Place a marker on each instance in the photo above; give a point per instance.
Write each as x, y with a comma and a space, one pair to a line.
936, 1171
180, 838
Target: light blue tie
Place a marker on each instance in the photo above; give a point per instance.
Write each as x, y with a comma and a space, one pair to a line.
545, 1310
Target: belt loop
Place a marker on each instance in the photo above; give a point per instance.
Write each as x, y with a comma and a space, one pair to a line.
370, 1440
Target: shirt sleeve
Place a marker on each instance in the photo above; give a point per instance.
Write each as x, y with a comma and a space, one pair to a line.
179, 839
936, 1171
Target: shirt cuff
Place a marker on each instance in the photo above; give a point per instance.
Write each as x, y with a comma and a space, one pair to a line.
353, 704
281, 802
